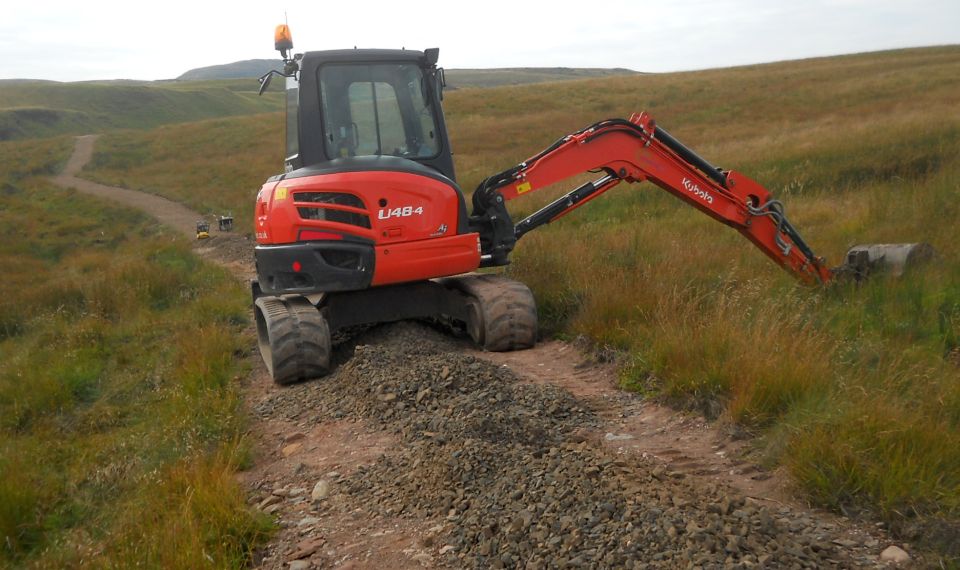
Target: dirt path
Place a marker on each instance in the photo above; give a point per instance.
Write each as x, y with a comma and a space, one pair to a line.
230, 250
376, 477
169, 213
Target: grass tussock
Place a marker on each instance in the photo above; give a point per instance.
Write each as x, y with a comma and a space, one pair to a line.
855, 389
191, 519
120, 416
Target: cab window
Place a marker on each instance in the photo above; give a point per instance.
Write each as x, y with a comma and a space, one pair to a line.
381, 109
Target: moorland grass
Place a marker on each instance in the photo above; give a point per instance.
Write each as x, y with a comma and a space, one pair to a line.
120, 415
855, 389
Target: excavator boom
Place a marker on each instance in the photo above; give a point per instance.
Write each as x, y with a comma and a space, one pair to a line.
637, 150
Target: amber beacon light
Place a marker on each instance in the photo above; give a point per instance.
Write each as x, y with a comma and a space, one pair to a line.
282, 39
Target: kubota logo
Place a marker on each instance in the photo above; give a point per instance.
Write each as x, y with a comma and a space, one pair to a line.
696, 191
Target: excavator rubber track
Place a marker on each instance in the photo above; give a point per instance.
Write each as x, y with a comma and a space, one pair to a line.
501, 312
293, 338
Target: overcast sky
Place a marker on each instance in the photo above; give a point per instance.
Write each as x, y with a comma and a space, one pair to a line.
78, 40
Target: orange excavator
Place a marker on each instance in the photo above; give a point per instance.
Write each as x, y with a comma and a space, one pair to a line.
367, 223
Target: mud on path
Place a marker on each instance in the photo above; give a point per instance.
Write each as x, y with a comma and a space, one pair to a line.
421, 451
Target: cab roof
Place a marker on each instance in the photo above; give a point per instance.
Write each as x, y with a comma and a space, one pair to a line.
312, 59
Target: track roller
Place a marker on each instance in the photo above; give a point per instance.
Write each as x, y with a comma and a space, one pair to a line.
293, 338
501, 313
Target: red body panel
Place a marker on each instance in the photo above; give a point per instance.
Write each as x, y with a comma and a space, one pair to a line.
413, 221
426, 259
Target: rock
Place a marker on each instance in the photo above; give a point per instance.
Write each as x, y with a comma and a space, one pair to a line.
273, 508
270, 500
308, 521
289, 450
320, 490
447, 548
300, 565
307, 548
423, 393
423, 558
617, 437
294, 437
894, 554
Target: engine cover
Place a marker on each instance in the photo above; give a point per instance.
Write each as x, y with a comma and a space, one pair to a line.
410, 222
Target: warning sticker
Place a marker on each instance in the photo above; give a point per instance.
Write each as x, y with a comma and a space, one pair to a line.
280, 194
524, 187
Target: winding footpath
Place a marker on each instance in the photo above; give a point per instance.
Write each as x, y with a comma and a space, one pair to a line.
329, 461
168, 212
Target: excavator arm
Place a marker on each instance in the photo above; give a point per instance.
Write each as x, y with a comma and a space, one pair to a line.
637, 150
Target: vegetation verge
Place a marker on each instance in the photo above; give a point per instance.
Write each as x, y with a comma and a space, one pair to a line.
120, 415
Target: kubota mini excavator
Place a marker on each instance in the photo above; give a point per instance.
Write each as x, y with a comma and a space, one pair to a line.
367, 223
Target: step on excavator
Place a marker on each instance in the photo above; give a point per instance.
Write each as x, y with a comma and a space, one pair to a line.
368, 225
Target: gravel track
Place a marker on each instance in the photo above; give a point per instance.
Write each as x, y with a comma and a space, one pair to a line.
506, 468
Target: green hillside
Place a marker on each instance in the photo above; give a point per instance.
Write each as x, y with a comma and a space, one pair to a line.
31, 109
854, 390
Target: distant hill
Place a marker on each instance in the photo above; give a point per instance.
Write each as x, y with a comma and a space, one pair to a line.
456, 78
15, 81
30, 108
235, 70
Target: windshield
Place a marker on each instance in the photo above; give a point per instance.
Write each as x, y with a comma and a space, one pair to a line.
377, 109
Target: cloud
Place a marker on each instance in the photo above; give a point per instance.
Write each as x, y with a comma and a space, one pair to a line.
110, 39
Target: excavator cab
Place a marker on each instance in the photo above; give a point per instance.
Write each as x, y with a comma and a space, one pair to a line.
346, 104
